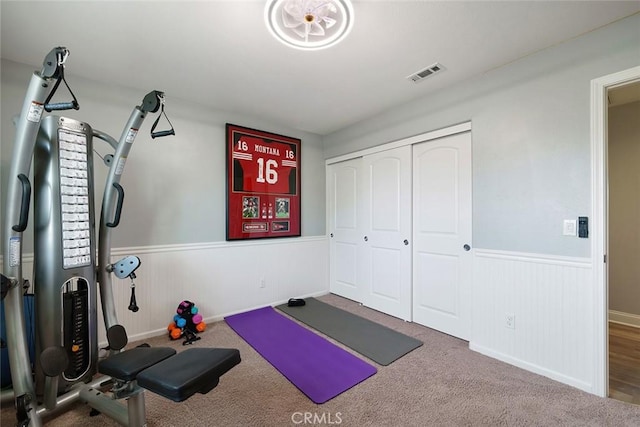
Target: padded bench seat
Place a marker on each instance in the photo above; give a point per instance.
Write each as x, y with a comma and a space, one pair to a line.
190, 371
126, 366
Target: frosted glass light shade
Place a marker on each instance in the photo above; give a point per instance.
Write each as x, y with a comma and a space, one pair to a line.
309, 24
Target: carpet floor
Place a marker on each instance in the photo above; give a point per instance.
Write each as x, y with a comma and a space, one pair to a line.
441, 383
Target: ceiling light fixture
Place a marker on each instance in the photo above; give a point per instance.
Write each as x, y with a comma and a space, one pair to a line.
309, 24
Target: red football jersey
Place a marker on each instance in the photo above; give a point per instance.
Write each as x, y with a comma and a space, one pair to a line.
261, 166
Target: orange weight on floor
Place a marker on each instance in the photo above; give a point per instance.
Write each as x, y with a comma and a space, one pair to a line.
176, 333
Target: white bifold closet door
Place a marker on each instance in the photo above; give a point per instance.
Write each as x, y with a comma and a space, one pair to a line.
442, 257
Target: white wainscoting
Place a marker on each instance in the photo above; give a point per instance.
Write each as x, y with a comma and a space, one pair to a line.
221, 278
552, 301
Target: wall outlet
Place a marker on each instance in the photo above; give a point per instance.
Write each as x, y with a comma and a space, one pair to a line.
262, 282
510, 321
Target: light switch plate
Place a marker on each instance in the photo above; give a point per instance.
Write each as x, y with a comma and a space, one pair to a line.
569, 227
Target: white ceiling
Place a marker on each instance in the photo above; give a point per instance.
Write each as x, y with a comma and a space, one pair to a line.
220, 54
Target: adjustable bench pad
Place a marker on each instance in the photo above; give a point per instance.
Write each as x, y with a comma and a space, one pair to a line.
125, 366
190, 371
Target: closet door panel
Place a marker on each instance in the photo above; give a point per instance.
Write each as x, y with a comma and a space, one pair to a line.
387, 225
442, 234
343, 183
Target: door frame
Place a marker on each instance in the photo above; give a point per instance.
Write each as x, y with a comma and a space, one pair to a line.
599, 242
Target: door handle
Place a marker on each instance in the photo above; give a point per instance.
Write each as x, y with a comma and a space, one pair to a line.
366, 239
467, 248
331, 234
406, 242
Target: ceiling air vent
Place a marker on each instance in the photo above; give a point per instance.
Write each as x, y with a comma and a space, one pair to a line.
427, 72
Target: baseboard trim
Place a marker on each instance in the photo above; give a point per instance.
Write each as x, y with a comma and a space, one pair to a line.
624, 318
584, 386
210, 320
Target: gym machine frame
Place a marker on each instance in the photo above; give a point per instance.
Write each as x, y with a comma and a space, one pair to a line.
66, 275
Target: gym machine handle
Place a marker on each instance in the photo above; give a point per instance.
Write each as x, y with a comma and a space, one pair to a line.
59, 106
24, 206
162, 133
116, 220
61, 56
133, 305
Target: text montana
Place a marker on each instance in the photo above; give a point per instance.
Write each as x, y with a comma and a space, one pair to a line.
267, 150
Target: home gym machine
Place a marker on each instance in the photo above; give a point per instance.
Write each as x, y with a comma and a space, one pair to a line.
66, 274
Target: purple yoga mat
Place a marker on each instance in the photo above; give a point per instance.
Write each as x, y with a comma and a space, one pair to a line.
319, 368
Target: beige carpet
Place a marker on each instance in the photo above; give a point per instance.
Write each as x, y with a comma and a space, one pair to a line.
442, 383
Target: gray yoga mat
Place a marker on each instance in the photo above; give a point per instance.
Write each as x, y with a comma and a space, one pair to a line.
377, 342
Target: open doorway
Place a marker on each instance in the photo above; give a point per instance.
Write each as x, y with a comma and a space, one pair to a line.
623, 231
599, 237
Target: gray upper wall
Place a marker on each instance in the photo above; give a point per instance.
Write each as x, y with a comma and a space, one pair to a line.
174, 186
531, 138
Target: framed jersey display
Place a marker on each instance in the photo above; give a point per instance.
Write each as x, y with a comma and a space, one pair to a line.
263, 184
